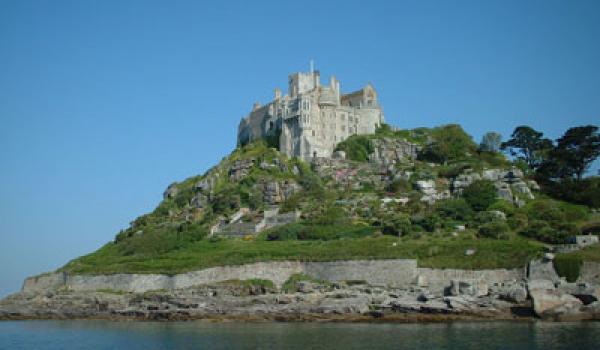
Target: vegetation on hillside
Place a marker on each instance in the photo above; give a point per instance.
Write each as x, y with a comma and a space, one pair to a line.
349, 221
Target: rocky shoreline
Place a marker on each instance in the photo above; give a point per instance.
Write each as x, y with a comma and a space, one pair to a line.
315, 301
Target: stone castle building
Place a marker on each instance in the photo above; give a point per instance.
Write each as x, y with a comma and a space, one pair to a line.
312, 118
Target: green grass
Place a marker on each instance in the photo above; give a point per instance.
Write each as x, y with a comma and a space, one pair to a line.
437, 253
588, 254
290, 284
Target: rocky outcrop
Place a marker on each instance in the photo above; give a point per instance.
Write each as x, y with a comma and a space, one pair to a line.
391, 151
276, 192
239, 299
553, 304
510, 184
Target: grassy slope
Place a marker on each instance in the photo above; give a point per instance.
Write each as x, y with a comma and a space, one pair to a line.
588, 254
447, 253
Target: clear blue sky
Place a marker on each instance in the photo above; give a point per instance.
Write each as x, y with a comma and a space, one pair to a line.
104, 103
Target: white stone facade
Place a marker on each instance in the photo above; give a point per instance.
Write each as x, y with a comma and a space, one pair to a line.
313, 118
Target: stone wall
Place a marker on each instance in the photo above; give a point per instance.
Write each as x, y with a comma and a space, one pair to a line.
395, 272
45, 281
401, 272
436, 280
590, 272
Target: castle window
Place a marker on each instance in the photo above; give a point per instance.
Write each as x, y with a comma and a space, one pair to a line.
313, 133
343, 128
271, 125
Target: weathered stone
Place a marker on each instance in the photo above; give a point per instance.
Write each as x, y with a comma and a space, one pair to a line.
553, 304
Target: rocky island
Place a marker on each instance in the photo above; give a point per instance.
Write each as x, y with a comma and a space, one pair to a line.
324, 212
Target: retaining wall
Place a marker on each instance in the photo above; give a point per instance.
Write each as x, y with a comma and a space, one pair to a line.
395, 272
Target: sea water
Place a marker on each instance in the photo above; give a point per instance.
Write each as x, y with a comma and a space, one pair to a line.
87, 334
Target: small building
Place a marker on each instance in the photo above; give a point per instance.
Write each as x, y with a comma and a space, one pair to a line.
584, 240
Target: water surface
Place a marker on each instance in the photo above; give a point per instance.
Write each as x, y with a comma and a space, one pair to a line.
237, 335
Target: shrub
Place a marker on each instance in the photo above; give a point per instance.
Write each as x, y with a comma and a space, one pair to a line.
546, 210
503, 206
568, 266
574, 212
494, 229
480, 194
457, 209
545, 232
399, 186
397, 225
429, 222
517, 221
290, 285
357, 148
450, 142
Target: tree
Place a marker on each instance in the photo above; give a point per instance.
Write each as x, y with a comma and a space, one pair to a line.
527, 144
449, 142
490, 142
573, 154
480, 194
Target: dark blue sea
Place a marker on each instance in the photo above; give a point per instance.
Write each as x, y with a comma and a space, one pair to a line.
237, 335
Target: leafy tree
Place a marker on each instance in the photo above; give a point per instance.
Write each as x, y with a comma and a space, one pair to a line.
527, 144
480, 194
449, 142
573, 154
490, 142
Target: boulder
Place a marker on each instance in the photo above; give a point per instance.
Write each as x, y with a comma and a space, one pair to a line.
359, 304
504, 192
522, 189
516, 293
471, 288
305, 287
533, 185
552, 304
426, 186
542, 270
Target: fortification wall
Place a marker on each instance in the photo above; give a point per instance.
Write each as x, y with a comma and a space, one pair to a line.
436, 280
590, 272
401, 273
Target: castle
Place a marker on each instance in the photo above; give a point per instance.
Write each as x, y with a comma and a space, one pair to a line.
312, 118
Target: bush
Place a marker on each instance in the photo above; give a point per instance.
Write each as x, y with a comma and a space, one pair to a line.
546, 210
517, 221
585, 191
307, 231
503, 206
399, 186
480, 194
357, 148
494, 229
457, 209
450, 142
397, 225
545, 232
429, 222
568, 266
